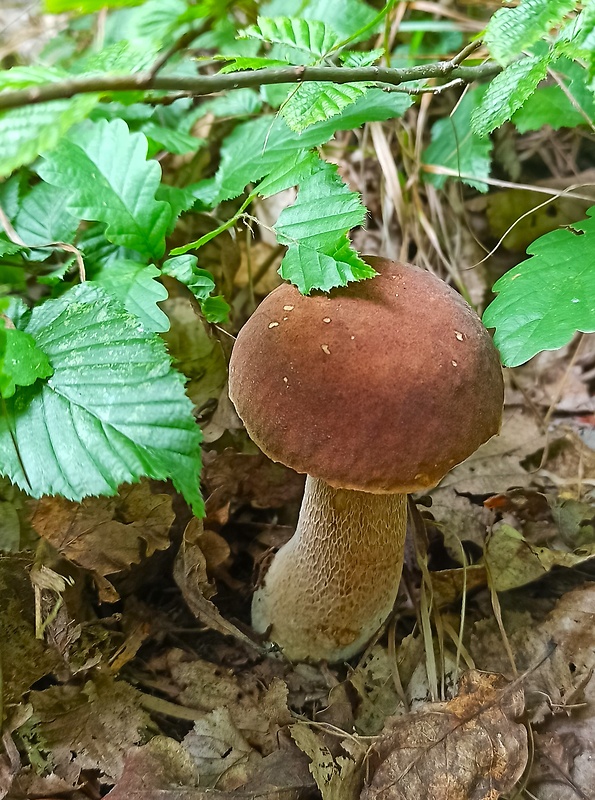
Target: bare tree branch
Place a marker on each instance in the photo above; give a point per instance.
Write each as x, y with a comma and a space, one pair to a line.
209, 84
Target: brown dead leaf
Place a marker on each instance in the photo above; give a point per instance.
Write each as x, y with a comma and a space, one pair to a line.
514, 562
223, 757
337, 777
23, 658
469, 748
89, 727
251, 478
190, 573
106, 535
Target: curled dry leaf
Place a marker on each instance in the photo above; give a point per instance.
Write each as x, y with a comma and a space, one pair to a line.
106, 535
338, 777
190, 573
469, 748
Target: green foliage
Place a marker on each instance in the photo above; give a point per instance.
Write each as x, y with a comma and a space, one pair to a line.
104, 167
542, 302
507, 93
456, 146
90, 398
312, 37
21, 361
513, 30
315, 230
112, 411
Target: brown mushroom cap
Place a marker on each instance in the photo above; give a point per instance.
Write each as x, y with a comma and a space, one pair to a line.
381, 386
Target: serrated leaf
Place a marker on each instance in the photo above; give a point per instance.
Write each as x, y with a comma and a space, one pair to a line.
21, 361
457, 147
348, 16
26, 132
324, 210
288, 173
310, 36
312, 102
361, 58
113, 410
512, 30
238, 103
8, 248
550, 105
311, 269
507, 93
173, 141
43, 219
543, 301
136, 287
246, 62
315, 229
256, 148
200, 282
104, 167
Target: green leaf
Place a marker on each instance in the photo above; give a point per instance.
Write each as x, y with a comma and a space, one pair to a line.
512, 30
136, 287
173, 141
86, 6
21, 361
348, 16
360, 58
315, 230
542, 302
43, 218
26, 132
113, 410
507, 93
457, 147
104, 167
550, 105
251, 62
288, 173
238, 103
8, 248
200, 282
311, 269
312, 102
215, 309
310, 36
256, 148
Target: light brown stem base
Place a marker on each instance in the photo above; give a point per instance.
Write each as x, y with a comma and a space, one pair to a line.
335, 582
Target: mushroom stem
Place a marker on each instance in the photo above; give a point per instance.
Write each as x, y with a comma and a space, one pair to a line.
335, 582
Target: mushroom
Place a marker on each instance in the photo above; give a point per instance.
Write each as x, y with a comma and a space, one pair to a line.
374, 391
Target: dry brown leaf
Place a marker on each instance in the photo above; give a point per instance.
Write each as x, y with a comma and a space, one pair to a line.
223, 757
89, 727
338, 777
469, 748
106, 535
190, 573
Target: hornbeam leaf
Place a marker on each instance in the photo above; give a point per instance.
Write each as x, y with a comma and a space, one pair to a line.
112, 411
106, 171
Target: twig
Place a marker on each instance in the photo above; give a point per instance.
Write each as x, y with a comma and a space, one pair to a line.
209, 84
180, 44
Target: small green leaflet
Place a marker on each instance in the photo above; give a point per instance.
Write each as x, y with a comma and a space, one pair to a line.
200, 282
310, 36
360, 58
512, 30
260, 146
250, 62
172, 140
26, 132
507, 93
104, 168
112, 411
313, 102
457, 147
547, 298
134, 285
21, 361
315, 228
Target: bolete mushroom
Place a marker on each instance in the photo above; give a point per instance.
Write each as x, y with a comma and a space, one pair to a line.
374, 391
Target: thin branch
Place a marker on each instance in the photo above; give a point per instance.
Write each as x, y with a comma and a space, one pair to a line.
209, 84
179, 45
